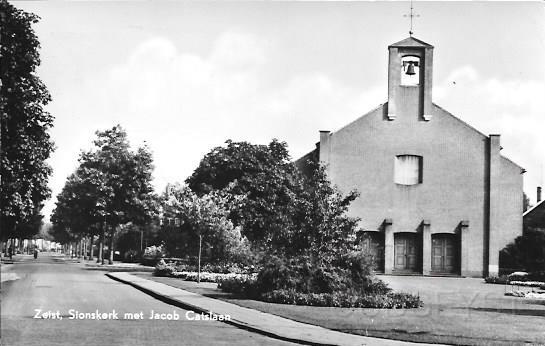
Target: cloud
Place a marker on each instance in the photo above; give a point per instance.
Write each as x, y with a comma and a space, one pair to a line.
183, 104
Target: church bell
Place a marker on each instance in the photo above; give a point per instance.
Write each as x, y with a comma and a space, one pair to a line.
410, 69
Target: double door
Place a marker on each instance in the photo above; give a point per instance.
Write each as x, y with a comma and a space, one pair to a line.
406, 252
373, 244
443, 253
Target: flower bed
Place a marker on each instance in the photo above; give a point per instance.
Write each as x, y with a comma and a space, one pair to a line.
524, 294
172, 269
247, 286
512, 280
207, 276
527, 283
503, 280
344, 300
378, 294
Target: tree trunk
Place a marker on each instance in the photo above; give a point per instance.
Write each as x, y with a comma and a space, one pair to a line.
111, 259
91, 254
199, 265
85, 248
141, 241
100, 258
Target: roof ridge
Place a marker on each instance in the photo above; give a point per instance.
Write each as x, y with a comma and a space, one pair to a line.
411, 41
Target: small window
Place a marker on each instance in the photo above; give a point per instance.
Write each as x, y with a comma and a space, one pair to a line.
410, 70
408, 170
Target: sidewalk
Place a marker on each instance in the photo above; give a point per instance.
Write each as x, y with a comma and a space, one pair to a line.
5, 272
117, 266
253, 320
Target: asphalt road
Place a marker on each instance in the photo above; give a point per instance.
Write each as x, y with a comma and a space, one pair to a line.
58, 288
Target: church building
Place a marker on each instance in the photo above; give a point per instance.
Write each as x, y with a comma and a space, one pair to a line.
436, 195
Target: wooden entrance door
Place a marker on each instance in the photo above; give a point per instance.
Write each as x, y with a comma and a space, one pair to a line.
373, 244
405, 252
443, 253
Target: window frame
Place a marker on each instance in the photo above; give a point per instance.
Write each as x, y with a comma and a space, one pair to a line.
420, 178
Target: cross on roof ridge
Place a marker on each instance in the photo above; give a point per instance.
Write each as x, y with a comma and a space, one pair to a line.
411, 15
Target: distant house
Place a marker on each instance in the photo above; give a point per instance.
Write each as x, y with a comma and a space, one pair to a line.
535, 216
437, 197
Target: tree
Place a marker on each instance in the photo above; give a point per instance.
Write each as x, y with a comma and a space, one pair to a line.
323, 226
207, 217
25, 144
284, 210
526, 252
263, 174
525, 202
112, 185
320, 253
77, 213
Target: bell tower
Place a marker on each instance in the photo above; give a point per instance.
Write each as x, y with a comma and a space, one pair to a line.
410, 70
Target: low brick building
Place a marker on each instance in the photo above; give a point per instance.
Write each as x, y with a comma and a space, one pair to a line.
535, 216
437, 197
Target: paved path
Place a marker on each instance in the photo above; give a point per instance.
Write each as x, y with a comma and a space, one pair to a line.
250, 319
51, 284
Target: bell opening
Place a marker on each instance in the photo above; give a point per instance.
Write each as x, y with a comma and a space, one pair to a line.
410, 70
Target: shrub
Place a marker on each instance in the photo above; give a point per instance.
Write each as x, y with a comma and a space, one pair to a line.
345, 300
164, 269
226, 268
241, 285
152, 255
537, 276
527, 252
503, 279
308, 274
131, 256
280, 273
518, 276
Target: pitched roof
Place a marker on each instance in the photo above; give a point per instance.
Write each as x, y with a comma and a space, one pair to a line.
411, 42
540, 206
535, 217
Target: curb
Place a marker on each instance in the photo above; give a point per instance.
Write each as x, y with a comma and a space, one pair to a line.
198, 309
113, 268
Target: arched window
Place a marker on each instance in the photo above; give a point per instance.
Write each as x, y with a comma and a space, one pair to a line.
408, 170
410, 70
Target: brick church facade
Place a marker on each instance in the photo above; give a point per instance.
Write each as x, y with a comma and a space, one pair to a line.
437, 197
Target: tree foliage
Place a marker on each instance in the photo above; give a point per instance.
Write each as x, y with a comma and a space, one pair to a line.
205, 217
112, 184
284, 210
323, 226
525, 202
25, 142
307, 241
263, 174
527, 252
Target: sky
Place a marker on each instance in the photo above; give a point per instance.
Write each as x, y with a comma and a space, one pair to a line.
183, 77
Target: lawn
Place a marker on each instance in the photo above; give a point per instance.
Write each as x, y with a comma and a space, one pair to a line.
461, 311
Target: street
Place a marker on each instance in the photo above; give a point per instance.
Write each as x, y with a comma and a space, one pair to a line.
55, 288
